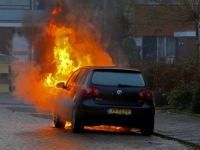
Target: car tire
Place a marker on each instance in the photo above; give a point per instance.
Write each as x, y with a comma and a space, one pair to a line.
147, 128
58, 122
77, 126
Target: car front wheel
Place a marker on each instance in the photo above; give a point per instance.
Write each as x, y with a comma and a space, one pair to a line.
58, 122
77, 126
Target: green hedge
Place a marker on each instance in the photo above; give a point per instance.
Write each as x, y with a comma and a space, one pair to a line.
179, 80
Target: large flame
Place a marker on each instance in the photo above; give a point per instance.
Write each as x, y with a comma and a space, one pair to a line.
70, 48
64, 50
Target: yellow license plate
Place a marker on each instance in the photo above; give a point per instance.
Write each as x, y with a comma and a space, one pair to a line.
119, 111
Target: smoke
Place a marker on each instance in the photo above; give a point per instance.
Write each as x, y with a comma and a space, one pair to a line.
28, 83
77, 15
28, 78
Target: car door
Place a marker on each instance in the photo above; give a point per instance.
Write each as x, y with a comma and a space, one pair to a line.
70, 84
77, 84
74, 83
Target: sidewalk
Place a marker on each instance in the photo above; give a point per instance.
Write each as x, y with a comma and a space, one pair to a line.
7, 98
184, 128
180, 127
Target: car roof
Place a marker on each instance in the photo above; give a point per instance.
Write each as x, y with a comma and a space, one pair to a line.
111, 68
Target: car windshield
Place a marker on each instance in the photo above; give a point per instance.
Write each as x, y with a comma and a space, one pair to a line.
120, 79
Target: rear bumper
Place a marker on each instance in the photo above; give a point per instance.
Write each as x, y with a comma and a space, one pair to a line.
98, 116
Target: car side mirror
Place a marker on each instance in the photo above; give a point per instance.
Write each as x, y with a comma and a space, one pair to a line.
60, 85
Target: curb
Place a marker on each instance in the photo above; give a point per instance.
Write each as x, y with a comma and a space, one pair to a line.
172, 111
195, 146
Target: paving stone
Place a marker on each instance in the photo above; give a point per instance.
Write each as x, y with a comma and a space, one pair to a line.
26, 130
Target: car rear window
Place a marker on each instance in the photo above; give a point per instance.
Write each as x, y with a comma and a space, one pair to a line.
118, 78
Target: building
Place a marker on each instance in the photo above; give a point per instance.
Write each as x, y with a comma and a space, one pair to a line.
158, 43
13, 43
12, 40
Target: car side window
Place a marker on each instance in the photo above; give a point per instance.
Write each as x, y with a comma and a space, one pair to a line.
79, 76
85, 75
71, 80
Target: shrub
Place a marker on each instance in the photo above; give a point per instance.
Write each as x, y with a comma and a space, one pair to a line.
195, 108
164, 77
179, 80
181, 96
160, 76
148, 74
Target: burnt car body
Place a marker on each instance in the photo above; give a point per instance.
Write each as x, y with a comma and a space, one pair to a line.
109, 96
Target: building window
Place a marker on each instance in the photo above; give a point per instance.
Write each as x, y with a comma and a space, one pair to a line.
20, 45
40, 4
166, 48
161, 47
15, 4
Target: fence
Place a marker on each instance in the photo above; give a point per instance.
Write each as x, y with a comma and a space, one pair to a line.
5, 83
4, 78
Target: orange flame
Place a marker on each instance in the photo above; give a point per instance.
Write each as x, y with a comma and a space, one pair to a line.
73, 47
62, 49
66, 57
56, 11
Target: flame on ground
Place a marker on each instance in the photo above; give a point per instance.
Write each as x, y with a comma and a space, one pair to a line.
105, 128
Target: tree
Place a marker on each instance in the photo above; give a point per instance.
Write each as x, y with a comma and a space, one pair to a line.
131, 51
114, 26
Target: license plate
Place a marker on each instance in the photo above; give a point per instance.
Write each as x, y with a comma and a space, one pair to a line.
119, 111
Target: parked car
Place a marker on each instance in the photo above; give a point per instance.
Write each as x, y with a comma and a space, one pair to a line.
108, 96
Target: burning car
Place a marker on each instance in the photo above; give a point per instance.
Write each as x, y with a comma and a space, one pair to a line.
108, 96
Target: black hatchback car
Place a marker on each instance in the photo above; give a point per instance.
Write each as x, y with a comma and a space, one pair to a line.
108, 96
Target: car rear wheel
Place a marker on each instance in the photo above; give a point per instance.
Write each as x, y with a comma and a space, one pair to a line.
77, 126
147, 128
58, 122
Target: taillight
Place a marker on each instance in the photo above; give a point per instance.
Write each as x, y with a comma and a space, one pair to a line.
90, 91
145, 94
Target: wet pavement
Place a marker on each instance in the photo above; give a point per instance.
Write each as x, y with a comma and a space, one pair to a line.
184, 128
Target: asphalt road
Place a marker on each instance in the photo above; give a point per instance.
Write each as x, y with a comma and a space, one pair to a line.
24, 129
